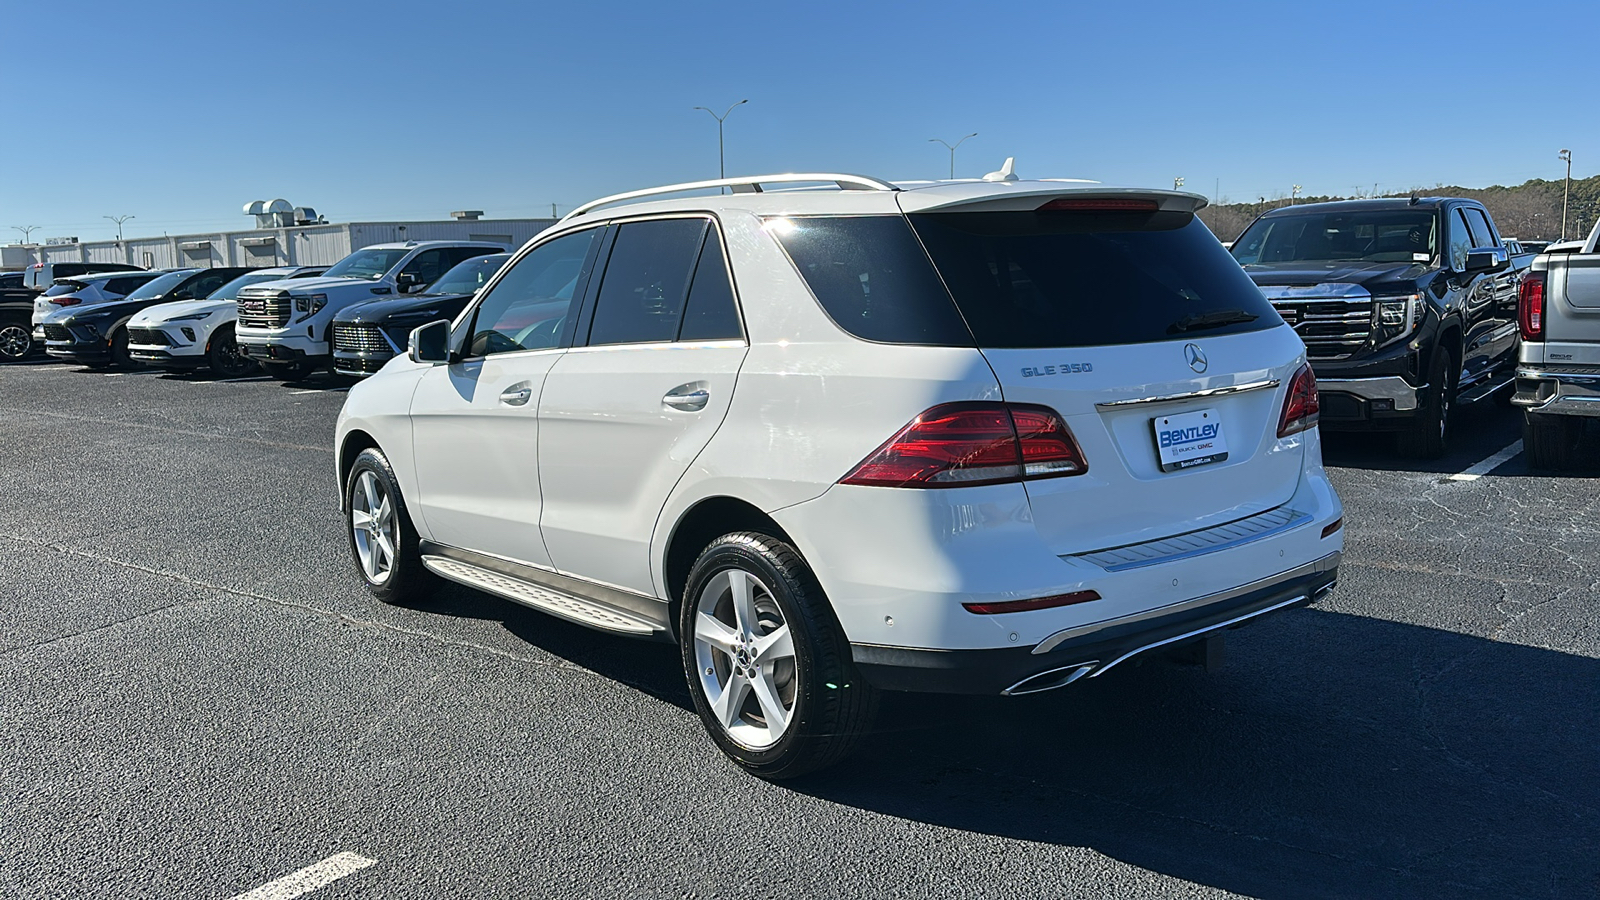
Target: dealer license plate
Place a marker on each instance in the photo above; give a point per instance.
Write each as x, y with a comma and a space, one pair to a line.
1190, 439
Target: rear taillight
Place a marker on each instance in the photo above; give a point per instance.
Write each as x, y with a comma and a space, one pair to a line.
1051, 602
965, 444
1301, 406
66, 301
1530, 307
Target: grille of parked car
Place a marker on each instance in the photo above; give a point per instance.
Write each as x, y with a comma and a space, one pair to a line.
1332, 328
264, 312
360, 338
54, 332
357, 364
149, 336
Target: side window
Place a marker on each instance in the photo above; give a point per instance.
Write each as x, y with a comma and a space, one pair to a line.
121, 285
1460, 240
526, 309
458, 255
429, 264
1482, 234
646, 282
712, 314
68, 270
205, 285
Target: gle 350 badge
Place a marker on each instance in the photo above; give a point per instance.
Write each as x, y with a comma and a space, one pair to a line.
1063, 369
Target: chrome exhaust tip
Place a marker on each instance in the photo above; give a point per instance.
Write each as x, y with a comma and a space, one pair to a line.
1050, 680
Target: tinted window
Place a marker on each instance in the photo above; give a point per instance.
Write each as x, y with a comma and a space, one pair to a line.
1075, 279
1460, 240
64, 287
1371, 234
206, 284
159, 286
123, 285
1478, 223
470, 275
872, 278
65, 270
712, 314
368, 264
528, 307
430, 264
646, 282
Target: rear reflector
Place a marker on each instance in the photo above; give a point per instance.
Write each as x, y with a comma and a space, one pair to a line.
1090, 204
1530, 306
1301, 406
1011, 606
1333, 526
968, 444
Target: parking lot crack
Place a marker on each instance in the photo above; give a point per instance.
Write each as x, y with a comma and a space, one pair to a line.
23, 648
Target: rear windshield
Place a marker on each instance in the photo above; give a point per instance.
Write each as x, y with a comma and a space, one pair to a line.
158, 287
64, 287
1024, 279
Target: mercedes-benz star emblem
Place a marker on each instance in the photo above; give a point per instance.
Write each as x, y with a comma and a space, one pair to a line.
1195, 357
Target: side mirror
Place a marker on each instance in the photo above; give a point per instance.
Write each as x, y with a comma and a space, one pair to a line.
430, 343
182, 295
1487, 259
407, 282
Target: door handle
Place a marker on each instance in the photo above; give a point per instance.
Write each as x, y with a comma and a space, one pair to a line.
688, 398
517, 394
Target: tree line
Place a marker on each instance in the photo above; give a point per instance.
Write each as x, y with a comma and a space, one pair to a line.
1531, 210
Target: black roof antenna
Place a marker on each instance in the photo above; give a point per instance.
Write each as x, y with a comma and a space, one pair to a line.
1413, 198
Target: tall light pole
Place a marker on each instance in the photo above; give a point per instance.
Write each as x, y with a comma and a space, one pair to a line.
119, 220
1566, 157
722, 171
952, 148
1177, 182
26, 230
1294, 195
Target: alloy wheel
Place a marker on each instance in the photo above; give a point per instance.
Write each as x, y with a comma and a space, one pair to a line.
745, 658
15, 341
372, 523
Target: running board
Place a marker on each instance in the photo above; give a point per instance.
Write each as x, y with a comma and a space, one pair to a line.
514, 582
1485, 388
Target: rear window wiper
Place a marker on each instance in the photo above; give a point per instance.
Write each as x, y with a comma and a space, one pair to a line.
1211, 320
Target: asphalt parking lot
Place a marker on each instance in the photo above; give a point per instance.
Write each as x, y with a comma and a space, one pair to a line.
199, 698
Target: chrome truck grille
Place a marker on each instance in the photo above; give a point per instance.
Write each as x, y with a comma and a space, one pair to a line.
258, 311
1334, 320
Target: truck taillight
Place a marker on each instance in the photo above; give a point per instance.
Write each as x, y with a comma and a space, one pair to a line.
1530, 307
1301, 406
966, 444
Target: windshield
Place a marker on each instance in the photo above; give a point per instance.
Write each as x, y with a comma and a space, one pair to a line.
1402, 235
160, 286
64, 287
230, 291
366, 264
469, 275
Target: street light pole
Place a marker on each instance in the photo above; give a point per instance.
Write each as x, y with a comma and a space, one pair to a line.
722, 170
1294, 196
1566, 156
952, 148
119, 220
26, 230
1177, 182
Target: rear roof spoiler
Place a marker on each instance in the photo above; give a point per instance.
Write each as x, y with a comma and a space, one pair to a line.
1027, 196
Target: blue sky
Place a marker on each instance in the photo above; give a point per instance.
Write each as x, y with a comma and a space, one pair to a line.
179, 113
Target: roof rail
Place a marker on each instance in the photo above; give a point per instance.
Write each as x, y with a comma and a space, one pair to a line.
744, 185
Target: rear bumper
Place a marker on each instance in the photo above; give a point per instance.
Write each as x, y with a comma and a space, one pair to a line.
1551, 392
1092, 650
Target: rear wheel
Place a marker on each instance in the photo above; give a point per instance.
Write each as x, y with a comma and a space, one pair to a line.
767, 663
1428, 437
1551, 440
382, 540
295, 371
16, 340
222, 354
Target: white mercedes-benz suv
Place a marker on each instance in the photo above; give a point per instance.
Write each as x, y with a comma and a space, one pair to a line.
980, 436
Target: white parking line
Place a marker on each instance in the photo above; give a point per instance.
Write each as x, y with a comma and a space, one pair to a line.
237, 380
298, 884
1489, 465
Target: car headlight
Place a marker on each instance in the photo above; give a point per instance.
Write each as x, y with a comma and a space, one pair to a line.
311, 303
1395, 316
192, 317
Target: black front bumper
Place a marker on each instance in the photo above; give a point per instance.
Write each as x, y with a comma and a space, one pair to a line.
360, 363
999, 671
1380, 392
276, 353
82, 351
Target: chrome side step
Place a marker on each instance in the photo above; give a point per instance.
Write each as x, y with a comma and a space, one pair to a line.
582, 610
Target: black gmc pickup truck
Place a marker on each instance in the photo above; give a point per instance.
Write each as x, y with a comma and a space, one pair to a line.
1407, 308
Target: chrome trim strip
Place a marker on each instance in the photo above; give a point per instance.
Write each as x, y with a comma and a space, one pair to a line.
1325, 564
1276, 521
1078, 670
1298, 598
1557, 376
1192, 395
1387, 387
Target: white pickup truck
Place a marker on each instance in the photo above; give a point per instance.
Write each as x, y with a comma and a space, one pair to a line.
283, 325
1558, 371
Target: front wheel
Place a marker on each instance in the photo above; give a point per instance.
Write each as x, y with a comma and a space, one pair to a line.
1428, 437
16, 340
222, 354
382, 540
120, 357
768, 666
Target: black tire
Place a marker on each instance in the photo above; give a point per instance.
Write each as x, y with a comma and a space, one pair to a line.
16, 340
295, 371
120, 357
405, 579
1551, 440
832, 706
222, 355
1428, 437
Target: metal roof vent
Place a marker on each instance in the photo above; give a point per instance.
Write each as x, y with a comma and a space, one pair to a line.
467, 215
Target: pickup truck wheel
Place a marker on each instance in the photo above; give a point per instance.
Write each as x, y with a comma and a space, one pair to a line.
382, 540
16, 340
1428, 437
768, 666
1551, 440
295, 371
222, 354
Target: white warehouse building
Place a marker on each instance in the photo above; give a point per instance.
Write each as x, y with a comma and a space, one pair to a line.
283, 244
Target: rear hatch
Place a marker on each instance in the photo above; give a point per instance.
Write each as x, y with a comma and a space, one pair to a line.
1124, 314
1572, 318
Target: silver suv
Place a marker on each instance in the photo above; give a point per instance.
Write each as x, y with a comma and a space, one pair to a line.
1558, 379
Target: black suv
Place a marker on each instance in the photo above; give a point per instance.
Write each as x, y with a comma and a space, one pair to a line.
367, 335
97, 336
